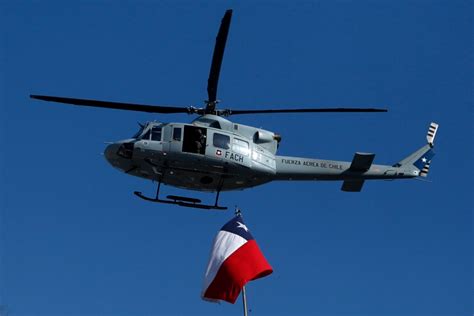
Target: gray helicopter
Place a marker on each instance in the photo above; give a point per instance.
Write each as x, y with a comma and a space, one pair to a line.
214, 154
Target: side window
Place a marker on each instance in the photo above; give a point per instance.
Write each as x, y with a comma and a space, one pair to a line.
177, 133
221, 141
156, 133
240, 146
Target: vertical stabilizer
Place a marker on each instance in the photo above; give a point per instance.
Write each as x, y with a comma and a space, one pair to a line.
423, 163
421, 159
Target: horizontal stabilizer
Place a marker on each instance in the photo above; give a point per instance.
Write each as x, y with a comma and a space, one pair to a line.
361, 162
352, 185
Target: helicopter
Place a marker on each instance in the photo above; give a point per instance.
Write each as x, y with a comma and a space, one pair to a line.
214, 154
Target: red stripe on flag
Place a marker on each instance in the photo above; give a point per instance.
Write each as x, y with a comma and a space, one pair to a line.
245, 264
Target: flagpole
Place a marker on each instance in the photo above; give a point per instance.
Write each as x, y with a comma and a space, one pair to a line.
244, 293
244, 300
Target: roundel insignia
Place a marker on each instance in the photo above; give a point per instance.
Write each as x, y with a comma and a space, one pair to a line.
218, 152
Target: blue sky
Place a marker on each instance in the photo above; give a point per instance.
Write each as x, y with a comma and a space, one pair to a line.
74, 239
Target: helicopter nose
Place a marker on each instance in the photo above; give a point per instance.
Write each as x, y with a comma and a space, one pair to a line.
111, 156
119, 150
120, 154
110, 152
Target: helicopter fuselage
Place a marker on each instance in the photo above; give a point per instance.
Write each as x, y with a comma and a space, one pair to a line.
210, 154
214, 154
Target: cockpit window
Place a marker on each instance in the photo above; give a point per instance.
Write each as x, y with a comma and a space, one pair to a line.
146, 136
156, 133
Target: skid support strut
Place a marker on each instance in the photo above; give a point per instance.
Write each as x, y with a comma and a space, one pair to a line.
158, 189
219, 188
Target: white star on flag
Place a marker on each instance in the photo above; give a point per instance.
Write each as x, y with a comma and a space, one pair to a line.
242, 226
424, 159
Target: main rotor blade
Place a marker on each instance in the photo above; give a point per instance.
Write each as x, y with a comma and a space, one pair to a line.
217, 56
117, 105
313, 110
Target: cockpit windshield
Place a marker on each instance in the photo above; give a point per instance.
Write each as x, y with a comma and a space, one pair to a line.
142, 127
148, 129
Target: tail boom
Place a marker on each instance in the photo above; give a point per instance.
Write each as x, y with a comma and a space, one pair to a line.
360, 169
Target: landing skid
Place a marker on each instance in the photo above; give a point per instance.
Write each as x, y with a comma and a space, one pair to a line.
181, 200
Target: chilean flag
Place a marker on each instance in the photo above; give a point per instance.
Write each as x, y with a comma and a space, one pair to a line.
235, 260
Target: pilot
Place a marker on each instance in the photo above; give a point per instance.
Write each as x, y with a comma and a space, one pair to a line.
200, 141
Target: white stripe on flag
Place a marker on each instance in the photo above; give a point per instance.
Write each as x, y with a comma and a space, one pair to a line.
225, 244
